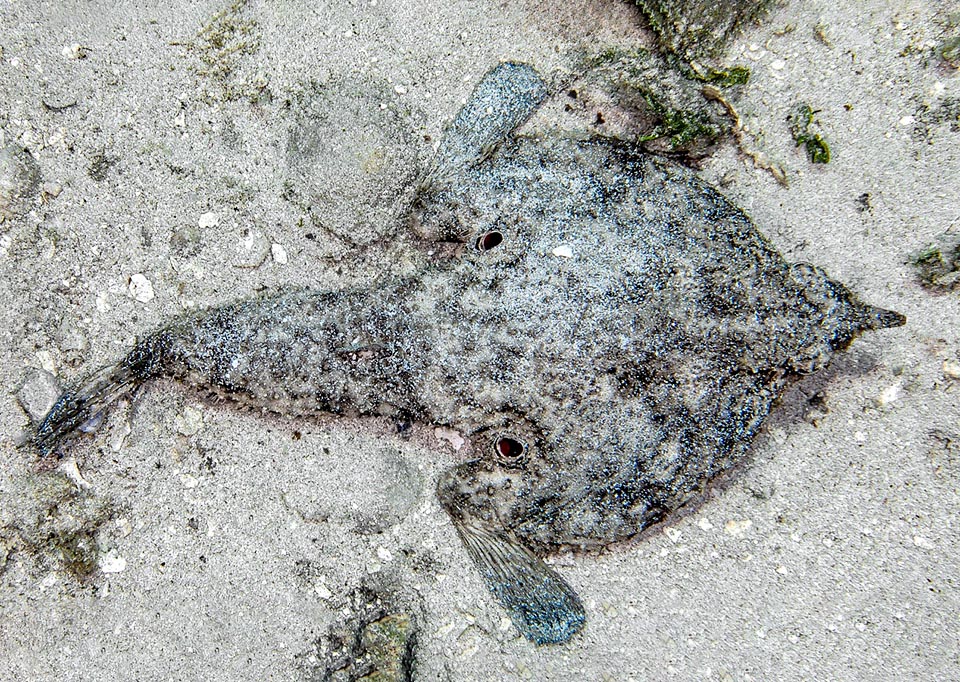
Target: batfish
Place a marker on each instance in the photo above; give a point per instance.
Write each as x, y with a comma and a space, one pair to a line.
606, 329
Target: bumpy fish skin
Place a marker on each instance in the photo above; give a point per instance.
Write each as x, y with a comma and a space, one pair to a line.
611, 335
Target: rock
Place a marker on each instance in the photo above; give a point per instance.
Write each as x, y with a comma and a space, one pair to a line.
19, 180
701, 28
38, 393
375, 642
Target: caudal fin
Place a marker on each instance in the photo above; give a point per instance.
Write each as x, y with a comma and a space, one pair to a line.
542, 606
93, 395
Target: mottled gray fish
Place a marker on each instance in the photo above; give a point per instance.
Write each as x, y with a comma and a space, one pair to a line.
606, 328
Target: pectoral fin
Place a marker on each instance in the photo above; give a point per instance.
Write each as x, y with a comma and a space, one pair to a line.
506, 97
542, 606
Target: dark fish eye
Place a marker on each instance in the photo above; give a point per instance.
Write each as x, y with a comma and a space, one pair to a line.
489, 240
508, 448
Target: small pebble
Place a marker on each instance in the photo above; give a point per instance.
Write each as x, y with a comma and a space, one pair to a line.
140, 288
449, 435
74, 51
110, 563
888, 395
39, 392
209, 219
279, 254
51, 190
563, 251
951, 369
322, 590
252, 250
190, 422
737, 527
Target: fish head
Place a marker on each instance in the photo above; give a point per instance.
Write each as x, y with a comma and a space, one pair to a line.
486, 489
479, 495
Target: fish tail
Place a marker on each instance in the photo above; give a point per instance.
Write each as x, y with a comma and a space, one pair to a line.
93, 395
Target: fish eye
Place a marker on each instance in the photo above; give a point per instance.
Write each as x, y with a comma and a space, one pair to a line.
489, 240
508, 449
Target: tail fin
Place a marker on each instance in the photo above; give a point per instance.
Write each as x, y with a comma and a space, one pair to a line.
81, 404
96, 393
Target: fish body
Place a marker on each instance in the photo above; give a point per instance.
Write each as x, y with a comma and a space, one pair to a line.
609, 332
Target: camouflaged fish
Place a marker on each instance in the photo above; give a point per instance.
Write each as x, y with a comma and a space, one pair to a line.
607, 329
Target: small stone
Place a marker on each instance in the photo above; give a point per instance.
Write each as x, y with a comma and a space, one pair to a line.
951, 369
252, 250
140, 288
123, 525
922, 542
322, 590
47, 361
70, 469
674, 535
208, 220
51, 190
888, 395
190, 422
110, 563
188, 481
449, 435
120, 436
279, 254
74, 51
563, 251
737, 527
704, 524
38, 393
103, 301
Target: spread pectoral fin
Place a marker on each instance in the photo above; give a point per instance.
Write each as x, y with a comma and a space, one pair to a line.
503, 100
542, 606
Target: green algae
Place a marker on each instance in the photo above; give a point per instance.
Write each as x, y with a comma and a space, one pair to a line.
938, 263
660, 97
701, 29
63, 527
219, 46
803, 128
